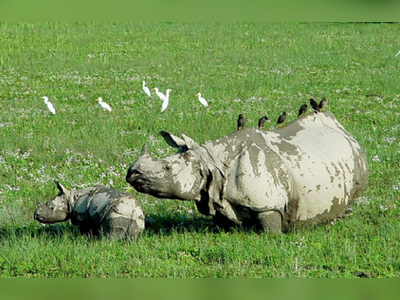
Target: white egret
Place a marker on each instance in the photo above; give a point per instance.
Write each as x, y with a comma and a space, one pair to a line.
159, 94
103, 104
166, 101
146, 89
202, 100
49, 105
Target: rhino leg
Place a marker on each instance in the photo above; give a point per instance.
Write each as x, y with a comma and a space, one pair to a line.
113, 228
222, 222
120, 228
87, 230
270, 221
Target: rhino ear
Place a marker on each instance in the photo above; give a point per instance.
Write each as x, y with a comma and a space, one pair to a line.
60, 187
172, 140
191, 144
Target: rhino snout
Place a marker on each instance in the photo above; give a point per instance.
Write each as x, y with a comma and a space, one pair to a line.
39, 207
38, 214
138, 180
132, 174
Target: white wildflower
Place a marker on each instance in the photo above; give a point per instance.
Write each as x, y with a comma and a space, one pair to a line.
376, 158
383, 207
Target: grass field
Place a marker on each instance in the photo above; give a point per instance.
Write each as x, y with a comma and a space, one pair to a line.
255, 68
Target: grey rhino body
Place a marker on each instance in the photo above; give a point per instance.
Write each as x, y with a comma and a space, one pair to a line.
96, 210
305, 173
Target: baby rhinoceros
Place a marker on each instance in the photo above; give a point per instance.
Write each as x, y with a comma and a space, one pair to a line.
98, 210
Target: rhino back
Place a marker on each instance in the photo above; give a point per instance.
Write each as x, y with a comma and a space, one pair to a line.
327, 165
90, 206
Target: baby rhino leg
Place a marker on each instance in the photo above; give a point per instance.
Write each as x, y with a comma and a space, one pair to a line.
119, 227
116, 227
124, 221
270, 221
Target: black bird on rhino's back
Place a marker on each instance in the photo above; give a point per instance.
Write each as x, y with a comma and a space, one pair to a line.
282, 118
314, 105
241, 121
303, 109
323, 103
261, 122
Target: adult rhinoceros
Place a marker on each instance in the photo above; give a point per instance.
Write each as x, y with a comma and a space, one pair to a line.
304, 173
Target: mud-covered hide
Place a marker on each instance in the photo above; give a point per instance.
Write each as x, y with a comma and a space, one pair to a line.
307, 172
98, 210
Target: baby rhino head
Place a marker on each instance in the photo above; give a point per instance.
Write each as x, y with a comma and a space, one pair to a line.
56, 209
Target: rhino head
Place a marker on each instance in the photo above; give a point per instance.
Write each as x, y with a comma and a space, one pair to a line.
182, 176
56, 209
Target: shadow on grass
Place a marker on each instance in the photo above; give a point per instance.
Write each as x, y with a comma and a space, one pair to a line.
54, 231
155, 225
165, 224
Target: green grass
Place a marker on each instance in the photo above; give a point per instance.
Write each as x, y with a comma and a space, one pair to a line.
252, 68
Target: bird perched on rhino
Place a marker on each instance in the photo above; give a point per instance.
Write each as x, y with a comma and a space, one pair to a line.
314, 105
303, 109
241, 121
281, 118
323, 103
261, 122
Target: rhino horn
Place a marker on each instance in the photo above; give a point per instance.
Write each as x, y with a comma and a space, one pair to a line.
191, 144
145, 151
172, 140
